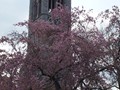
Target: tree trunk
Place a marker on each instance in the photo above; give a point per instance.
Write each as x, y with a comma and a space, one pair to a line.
57, 85
118, 78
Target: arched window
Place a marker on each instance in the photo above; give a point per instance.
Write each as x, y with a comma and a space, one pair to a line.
54, 3
60, 1
51, 5
36, 9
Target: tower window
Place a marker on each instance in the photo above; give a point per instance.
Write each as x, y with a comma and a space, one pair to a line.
36, 9
60, 1
51, 4
54, 3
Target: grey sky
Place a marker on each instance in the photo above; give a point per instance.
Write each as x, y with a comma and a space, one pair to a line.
13, 11
96, 5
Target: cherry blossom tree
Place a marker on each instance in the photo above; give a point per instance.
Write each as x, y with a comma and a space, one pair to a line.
69, 52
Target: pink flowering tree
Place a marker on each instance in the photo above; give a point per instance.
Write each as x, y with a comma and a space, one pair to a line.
69, 52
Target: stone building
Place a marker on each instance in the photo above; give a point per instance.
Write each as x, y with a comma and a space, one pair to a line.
40, 9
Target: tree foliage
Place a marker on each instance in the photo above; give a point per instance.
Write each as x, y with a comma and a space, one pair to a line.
69, 52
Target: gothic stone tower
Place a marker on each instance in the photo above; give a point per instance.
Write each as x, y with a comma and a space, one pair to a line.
40, 9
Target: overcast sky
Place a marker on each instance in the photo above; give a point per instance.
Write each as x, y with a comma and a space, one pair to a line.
13, 11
